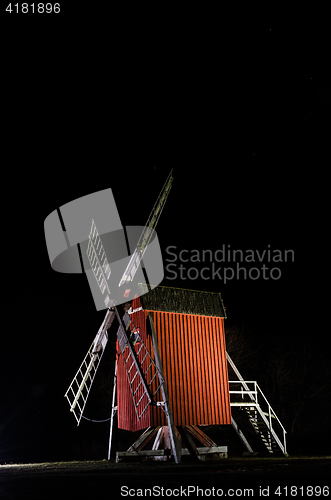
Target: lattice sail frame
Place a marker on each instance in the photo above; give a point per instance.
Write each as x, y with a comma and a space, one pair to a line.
80, 387
97, 258
147, 233
138, 361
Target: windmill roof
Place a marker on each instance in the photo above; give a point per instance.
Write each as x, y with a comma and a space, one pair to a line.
182, 300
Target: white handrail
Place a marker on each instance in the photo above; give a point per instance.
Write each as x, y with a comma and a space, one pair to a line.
257, 388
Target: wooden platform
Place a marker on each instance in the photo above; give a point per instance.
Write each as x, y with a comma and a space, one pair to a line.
162, 450
222, 451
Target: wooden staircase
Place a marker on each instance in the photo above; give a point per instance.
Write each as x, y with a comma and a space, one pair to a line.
248, 396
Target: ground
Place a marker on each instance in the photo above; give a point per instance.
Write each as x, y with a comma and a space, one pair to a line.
237, 477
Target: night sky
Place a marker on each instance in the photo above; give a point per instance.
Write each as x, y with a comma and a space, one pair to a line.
240, 111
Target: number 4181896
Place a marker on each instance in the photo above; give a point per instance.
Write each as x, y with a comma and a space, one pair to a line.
39, 8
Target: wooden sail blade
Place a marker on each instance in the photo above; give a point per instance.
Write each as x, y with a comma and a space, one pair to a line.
81, 384
137, 362
98, 261
147, 233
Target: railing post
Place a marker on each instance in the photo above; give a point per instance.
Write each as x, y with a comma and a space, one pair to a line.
269, 411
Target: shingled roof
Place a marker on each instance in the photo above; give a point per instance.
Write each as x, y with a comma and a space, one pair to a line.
181, 300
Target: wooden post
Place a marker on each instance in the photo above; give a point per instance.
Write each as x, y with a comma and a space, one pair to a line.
113, 410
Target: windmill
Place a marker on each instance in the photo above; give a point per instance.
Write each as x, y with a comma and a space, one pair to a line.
171, 368
142, 385
205, 388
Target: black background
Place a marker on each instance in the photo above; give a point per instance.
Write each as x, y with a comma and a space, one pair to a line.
236, 103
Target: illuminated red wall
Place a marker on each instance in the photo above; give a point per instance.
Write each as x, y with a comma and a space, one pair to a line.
127, 418
193, 354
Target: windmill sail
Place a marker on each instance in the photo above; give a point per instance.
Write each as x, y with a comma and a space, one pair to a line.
139, 365
147, 232
99, 264
80, 387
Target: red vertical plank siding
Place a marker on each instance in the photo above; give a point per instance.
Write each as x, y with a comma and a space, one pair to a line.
171, 352
193, 370
176, 368
193, 355
187, 369
217, 387
162, 340
205, 374
216, 372
217, 355
156, 413
224, 372
213, 400
209, 369
192, 351
184, 385
178, 408
199, 374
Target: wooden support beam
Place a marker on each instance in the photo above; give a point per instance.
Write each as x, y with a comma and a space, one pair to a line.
213, 449
200, 435
190, 443
178, 438
166, 437
143, 453
144, 439
159, 438
163, 453
162, 438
